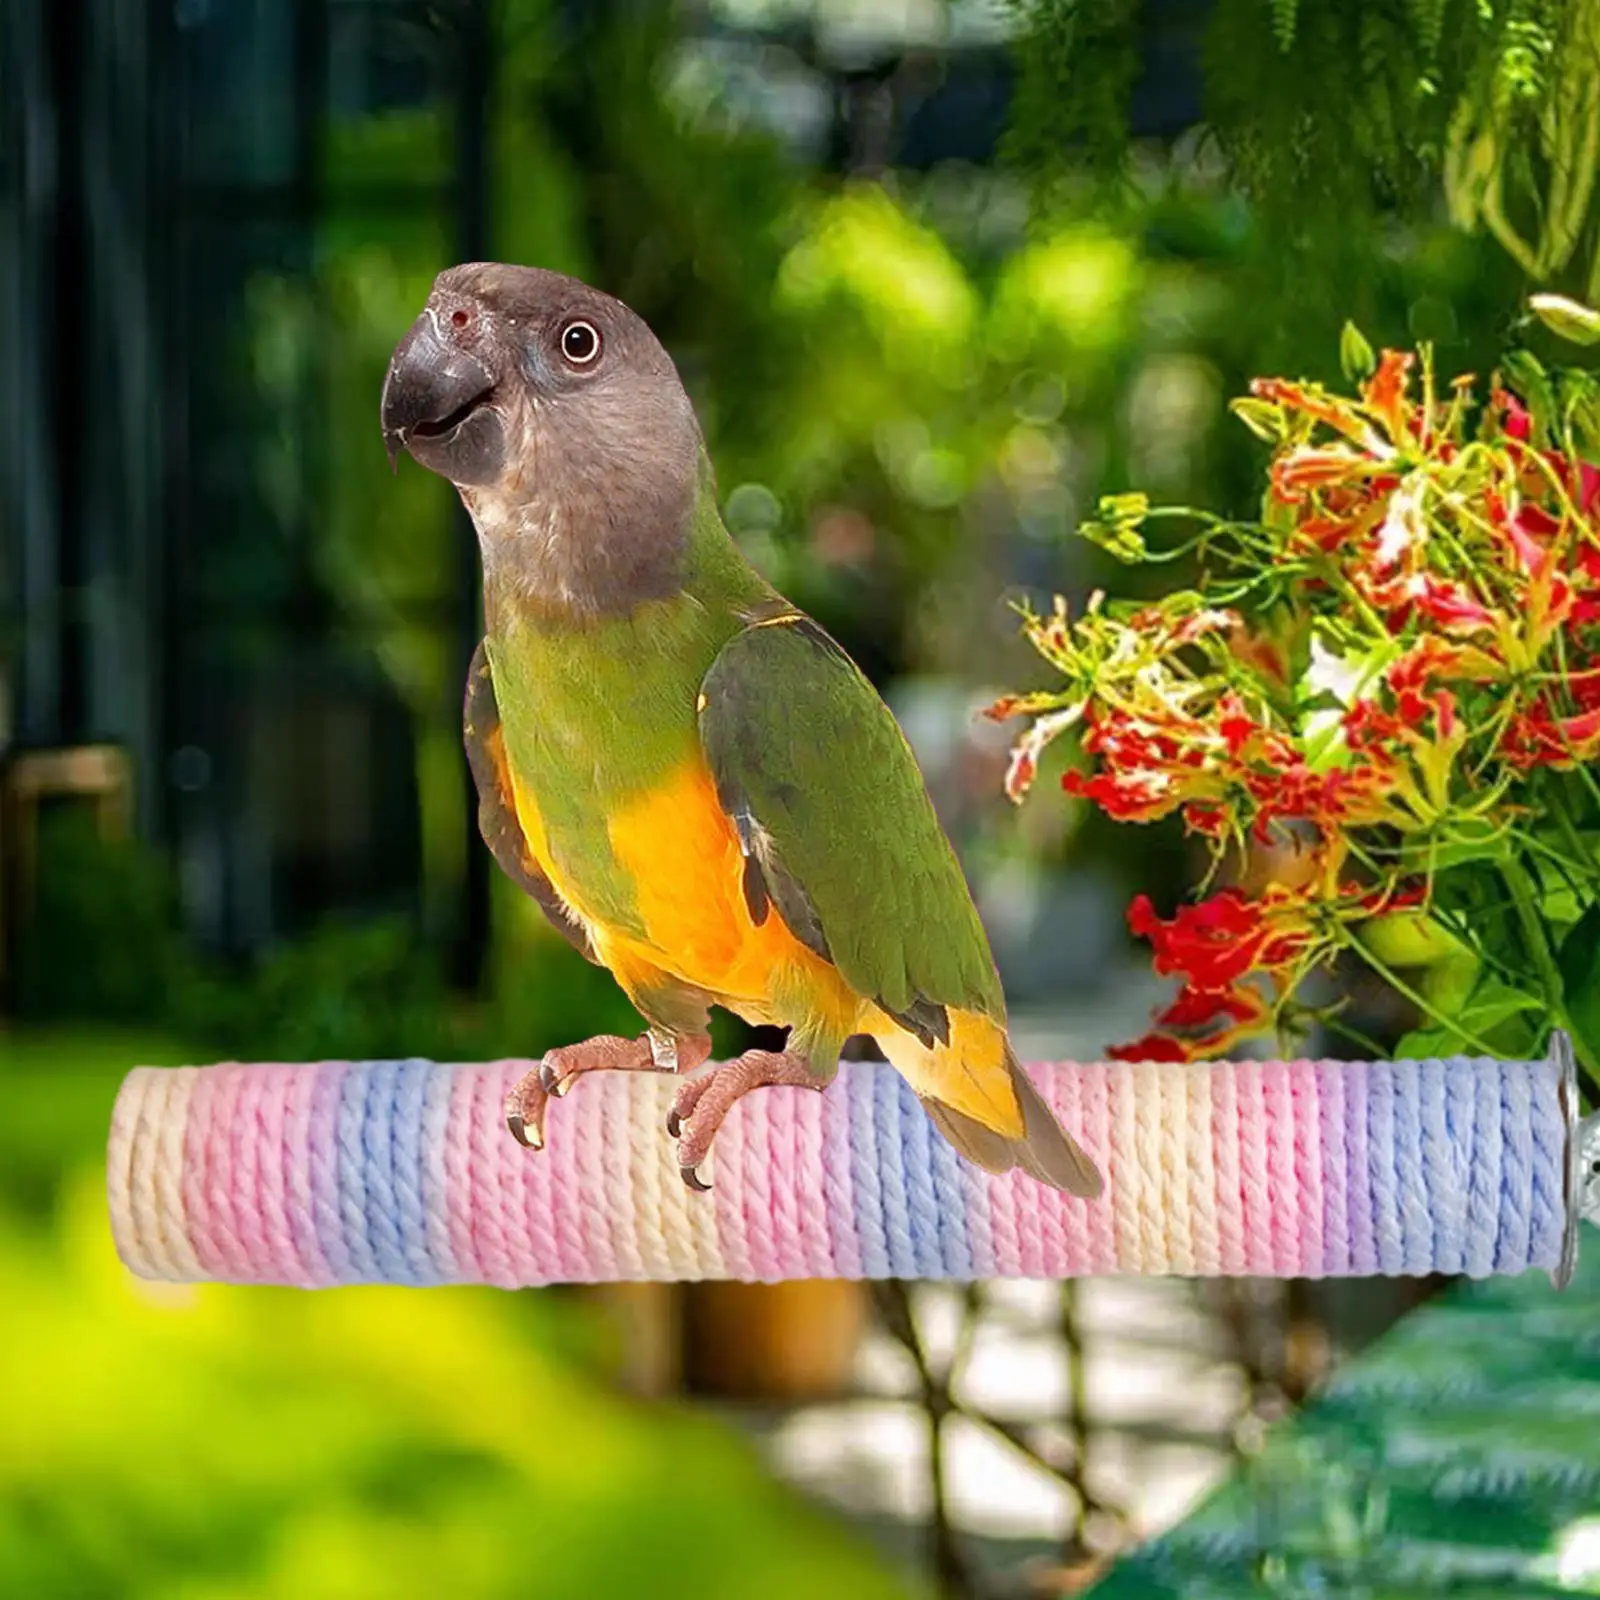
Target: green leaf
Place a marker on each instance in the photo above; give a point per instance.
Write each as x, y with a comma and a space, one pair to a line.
1579, 962
1567, 319
1116, 529
1447, 985
1355, 354
1580, 395
1261, 417
1131, 507
1409, 939
1493, 1005
1559, 904
1126, 544
1321, 731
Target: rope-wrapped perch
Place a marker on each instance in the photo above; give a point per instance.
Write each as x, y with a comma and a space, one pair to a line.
403, 1172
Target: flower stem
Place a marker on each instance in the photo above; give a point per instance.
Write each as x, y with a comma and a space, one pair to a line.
1524, 899
1562, 812
1563, 864
1426, 1007
1354, 1035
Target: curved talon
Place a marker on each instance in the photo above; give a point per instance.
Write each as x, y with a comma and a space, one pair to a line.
701, 1104
686, 1101
560, 1068
524, 1115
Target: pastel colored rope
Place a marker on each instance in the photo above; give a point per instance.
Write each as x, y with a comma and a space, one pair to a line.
402, 1172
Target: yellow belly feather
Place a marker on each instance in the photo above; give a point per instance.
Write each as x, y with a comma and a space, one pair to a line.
680, 851
682, 854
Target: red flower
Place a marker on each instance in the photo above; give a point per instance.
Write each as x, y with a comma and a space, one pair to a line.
1582, 480
1200, 1008
1536, 522
1410, 706
1199, 1022
1215, 943
1414, 709
1326, 533
1206, 817
1536, 738
1126, 796
1588, 487
1151, 765
1366, 726
1528, 532
1212, 620
1338, 414
1236, 726
1385, 392
1532, 555
1021, 770
1440, 600
1514, 418
1328, 799
1546, 735
1295, 475
1430, 657
1472, 570
1152, 1047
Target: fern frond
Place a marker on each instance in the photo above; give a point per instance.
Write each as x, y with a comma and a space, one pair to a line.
1427, 18
1285, 17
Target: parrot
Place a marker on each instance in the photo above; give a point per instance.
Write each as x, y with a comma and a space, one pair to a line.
697, 785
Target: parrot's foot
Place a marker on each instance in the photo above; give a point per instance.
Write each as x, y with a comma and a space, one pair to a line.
701, 1104
651, 1052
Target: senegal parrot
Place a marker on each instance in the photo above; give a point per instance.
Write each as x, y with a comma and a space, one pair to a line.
695, 782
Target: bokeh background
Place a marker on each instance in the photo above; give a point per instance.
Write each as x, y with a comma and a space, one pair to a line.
937, 276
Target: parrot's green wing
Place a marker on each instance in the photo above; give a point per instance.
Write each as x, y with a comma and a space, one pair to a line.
497, 809
837, 828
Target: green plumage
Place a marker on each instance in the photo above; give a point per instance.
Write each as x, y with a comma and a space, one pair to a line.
797, 737
596, 711
807, 759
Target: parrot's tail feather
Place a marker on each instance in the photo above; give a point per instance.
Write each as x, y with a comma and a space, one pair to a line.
1045, 1151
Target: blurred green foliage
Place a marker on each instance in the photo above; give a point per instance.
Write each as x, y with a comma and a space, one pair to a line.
103, 940
1342, 125
105, 943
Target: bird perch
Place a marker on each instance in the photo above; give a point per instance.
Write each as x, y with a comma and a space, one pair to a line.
403, 1172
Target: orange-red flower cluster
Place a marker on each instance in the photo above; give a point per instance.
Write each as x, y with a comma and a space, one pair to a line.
1423, 629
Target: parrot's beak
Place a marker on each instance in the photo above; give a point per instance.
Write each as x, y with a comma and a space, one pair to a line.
432, 388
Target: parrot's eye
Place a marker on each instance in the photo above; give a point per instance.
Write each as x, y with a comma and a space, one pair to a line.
580, 343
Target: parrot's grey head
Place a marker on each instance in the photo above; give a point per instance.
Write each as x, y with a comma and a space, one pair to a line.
558, 416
